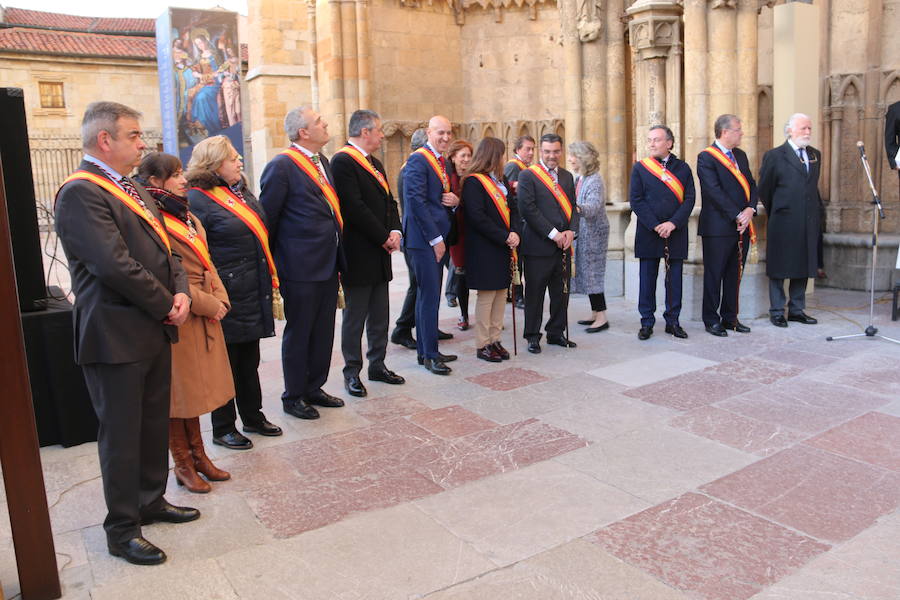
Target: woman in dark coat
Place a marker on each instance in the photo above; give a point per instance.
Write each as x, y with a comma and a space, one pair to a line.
458, 158
215, 170
490, 242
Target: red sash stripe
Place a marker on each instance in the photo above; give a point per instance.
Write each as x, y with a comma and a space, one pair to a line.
561, 198
180, 231
672, 182
312, 171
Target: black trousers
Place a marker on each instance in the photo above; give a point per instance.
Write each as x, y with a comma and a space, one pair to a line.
407, 319
543, 273
132, 405
720, 277
649, 269
797, 301
366, 306
244, 359
598, 302
308, 337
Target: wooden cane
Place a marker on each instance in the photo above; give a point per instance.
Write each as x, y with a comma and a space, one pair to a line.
514, 270
566, 257
737, 301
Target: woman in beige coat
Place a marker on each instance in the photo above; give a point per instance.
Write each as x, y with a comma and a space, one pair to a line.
201, 373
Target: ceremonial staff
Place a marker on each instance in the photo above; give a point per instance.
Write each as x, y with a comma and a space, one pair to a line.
567, 273
515, 280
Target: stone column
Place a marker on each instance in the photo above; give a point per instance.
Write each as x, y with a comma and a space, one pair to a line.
364, 53
746, 103
572, 77
351, 64
723, 75
313, 53
697, 128
593, 83
333, 105
834, 184
618, 160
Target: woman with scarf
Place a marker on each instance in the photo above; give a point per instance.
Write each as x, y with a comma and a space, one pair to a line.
201, 377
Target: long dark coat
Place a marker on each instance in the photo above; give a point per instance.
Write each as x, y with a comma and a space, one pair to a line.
487, 255
370, 214
654, 203
791, 198
240, 260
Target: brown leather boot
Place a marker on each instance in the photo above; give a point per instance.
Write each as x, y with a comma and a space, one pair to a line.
185, 472
201, 461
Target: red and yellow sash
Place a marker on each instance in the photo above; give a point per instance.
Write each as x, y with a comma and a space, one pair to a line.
733, 168
225, 198
672, 182
496, 195
518, 163
127, 200
181, 231
365, 164
561, 198
312, 171
436, 165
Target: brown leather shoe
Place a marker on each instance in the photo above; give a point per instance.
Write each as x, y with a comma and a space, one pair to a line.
201, 460
185, 471
488, 353
500, 350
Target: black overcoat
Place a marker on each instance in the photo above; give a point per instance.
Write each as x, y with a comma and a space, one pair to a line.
654, 203
487, 255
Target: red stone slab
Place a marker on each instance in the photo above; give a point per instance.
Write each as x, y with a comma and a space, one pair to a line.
691, 390
755, 369
507, 379
698, 544
799, 358
819, 493
873, 438
386, 408
452, 422
737, 431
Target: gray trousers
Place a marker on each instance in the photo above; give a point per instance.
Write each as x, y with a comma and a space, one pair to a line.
365, 306
797, 301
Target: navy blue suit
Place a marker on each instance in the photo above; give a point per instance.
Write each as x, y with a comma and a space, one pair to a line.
723, 199
654, 203
424, 219
307, 244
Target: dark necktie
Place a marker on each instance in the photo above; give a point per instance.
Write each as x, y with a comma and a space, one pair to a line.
801, 152
731, 157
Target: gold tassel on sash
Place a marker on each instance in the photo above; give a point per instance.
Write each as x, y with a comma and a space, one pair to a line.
277, 305
572, 265
754, 254
340, 299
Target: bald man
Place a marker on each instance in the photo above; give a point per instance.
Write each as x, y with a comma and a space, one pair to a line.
426, 223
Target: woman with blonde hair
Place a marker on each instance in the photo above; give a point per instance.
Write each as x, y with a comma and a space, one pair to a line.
201, 375
491, 240
593, 234
238, 242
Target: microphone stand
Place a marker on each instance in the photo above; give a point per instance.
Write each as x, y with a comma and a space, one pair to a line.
877, 214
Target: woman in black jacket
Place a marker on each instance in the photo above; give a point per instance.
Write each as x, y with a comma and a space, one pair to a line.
234, 221
491, 240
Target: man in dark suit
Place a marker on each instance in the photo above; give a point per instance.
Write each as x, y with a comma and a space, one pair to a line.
662, 198
789, 189
546, 199
426, 223
892, 135
729, 200
371, 234
128, 286
523, 148
305, 234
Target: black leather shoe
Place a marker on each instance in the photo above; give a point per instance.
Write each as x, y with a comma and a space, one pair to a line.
677, 331
445, 358
561, 341
233, 440
443, 335
300, 409
355, 387
404, 339
321, 398
644, 333
386, 376
169, 513
598, 329
717, 330
534, 346
736, 326
264, 428
520, 302
803, 318
137, 551
437, 366
778, 320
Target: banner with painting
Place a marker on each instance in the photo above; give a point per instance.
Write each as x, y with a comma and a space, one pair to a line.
199, 62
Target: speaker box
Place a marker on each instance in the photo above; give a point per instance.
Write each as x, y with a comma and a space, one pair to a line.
23, 224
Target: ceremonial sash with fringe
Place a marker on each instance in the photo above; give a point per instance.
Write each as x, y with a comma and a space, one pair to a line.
500, 203
225, 198
561, 198
522, 166
436, 166
734, 170
356, 155
312, 171
181, 231
127, 200
672, 182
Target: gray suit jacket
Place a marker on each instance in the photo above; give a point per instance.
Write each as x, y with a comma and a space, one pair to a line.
123, 276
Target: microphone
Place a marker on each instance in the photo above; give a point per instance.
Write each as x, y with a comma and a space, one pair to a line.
862, 149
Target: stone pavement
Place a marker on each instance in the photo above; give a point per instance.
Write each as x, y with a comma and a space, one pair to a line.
764, 465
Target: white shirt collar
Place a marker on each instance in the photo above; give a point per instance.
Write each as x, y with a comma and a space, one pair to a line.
103, 166
793, 145
305, 151
520, 158
364, 153
549, 170
433, 151
724, 150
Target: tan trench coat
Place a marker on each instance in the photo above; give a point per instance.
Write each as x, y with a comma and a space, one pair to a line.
201, 373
